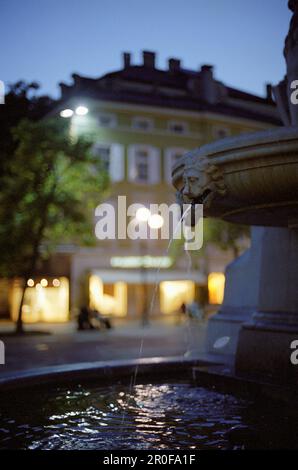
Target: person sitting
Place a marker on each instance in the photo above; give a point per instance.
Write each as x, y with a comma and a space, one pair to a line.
84, 321
99, 321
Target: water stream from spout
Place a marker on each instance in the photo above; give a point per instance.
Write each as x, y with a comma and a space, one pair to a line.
188, 337
152, 304
153, 299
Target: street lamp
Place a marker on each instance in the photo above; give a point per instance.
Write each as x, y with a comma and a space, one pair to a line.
143, 214
66, 113
155, 221
81, 111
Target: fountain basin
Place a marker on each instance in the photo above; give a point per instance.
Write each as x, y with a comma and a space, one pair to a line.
260, 173
174, 403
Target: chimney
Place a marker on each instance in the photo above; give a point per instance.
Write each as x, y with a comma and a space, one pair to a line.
174, 65
207, 70
126, 59
76, 78
64, 88
149, 59
209, 92
268, 91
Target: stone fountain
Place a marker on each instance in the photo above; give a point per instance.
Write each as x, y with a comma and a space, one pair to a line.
253, 179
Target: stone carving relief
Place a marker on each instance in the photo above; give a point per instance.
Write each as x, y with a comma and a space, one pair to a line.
202, 181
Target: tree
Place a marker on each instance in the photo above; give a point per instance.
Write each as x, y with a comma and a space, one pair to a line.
226, 235
49, 189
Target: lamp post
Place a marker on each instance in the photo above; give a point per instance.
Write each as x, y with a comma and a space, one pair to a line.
142, 215
154, 221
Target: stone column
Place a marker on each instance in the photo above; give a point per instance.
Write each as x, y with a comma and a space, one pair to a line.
240, 298
264, 341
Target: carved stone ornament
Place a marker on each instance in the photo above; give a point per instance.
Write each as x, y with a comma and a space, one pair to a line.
202, 181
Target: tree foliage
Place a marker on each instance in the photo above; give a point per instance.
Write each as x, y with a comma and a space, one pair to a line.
50, 185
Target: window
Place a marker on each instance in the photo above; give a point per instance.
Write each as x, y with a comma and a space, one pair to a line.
144, 164
111, 157
221, 132
178, 127
107, 120
171, 156
142, 123
103, 152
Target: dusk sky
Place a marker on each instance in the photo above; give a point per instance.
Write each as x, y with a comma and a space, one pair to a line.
48, 40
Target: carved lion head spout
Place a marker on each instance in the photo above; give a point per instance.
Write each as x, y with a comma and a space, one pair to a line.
201, 182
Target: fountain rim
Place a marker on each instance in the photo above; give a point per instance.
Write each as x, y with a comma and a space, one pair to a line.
231, 149
209, 373
115, 369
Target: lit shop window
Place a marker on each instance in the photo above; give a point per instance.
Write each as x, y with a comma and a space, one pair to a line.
178, 127
108, 299
174, 293
46, 300
142, 123
216, 286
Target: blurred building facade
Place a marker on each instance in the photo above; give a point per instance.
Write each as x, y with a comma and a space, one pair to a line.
141, 119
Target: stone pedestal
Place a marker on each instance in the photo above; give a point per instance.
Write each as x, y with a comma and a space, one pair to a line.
240, 298
264, 342
259, 316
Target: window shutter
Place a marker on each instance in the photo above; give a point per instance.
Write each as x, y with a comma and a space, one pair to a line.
117, 162
131, 163
154, 165
168, 165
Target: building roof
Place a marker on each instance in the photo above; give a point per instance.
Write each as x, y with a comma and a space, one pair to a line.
175, 88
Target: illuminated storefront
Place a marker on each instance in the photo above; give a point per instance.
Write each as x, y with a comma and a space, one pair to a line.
174, 293
121, 292
112, 303
46, 300
124, 292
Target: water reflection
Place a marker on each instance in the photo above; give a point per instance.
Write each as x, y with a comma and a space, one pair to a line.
157, 416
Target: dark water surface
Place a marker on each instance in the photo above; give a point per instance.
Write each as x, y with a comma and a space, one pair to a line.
146, 416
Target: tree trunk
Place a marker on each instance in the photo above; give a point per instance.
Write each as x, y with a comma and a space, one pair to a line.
30, 272
19, 324
34, 258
